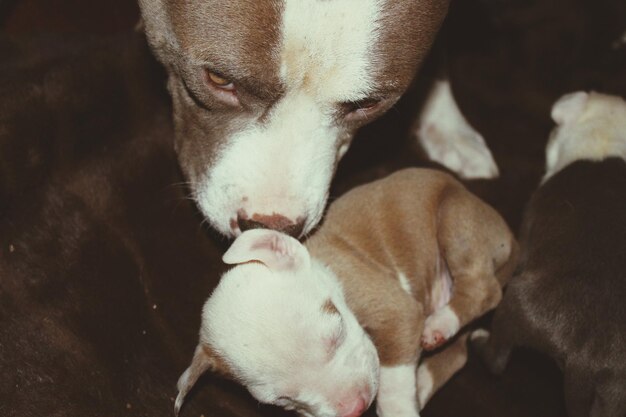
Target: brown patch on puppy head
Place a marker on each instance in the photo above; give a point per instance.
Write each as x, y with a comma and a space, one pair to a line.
219, 365
329, 307
333, 341
205, 358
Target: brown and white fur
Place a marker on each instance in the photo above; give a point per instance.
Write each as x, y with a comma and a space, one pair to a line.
568, 299
406, 261
267, 95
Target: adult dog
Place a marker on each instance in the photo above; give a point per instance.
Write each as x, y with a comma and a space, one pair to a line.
267, 95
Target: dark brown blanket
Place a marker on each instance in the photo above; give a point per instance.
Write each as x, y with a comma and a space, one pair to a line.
104, 261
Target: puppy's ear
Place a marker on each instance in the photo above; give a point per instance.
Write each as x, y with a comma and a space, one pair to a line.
569, 107
202, 361
274, 249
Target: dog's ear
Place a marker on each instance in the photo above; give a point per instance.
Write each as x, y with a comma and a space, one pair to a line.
274, 249
569, 107
204, 359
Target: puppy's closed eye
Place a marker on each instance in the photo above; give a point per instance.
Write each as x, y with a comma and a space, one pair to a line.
336, 337
329, 307
290, 404
285, 402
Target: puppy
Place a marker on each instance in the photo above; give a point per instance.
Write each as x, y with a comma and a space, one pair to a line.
268, 94
398, 264
568, 299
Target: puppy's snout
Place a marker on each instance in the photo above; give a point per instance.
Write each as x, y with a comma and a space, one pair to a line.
276, 222
354, 407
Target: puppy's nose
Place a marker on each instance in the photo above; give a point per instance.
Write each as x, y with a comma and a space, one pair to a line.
276, 222
354, 408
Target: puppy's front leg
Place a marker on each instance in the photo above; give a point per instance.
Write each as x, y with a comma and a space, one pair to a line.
398, 343
397, 391
436, 370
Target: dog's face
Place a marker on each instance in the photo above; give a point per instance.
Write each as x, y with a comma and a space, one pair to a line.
589, 126
278, 323
268, 94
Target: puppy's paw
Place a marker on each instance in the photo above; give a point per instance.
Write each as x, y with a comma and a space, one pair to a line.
479, 337
396, 393
432, 339
425, 385
495, 357
447, 137
439, 328
394, 408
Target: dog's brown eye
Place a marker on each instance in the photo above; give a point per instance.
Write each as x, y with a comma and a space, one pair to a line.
219, 81
221, 87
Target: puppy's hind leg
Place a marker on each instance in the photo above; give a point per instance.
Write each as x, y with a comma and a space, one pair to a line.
397, 392
507, 325
474, 242
436, 370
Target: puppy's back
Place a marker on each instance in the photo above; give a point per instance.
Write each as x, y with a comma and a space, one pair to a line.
574, 240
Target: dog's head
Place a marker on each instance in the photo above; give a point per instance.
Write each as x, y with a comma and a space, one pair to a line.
589, 126
268, 94
279, 324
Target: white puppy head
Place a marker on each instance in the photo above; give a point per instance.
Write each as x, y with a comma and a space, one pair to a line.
589, 126
278, 323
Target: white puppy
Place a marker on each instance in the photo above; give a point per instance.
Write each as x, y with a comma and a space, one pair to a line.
302, 348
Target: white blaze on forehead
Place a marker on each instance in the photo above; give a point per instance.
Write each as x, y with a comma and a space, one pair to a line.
327, 47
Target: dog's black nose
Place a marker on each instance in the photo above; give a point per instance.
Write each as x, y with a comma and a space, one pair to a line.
275, 222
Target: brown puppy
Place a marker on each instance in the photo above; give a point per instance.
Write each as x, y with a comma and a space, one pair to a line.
568, 300
419, 257
410, 259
